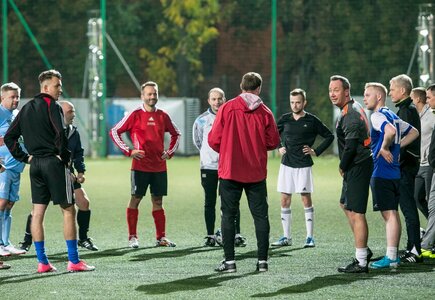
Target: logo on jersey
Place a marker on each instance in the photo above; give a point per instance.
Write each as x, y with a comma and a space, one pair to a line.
151, 122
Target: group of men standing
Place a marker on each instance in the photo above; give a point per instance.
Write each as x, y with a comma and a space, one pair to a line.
384, 156
234, 138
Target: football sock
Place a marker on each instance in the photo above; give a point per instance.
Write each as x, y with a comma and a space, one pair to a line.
414, 251
7, 222
309, 220
73, 253
132, 216
2, 214
83, 219
286, 220
160, 222
40, 252
230, 262
28, 233
361, 256
392, 253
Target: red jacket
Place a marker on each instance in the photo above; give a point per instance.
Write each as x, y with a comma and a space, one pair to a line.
243, 132
147, 132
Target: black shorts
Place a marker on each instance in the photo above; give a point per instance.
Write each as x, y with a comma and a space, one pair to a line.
158, 182
385, 193
355, 191
50, 180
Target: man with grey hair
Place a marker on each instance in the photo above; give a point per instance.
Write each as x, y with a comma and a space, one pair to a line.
10, 178
400, 90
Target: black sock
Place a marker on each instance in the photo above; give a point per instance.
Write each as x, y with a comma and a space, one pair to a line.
83, 219
28, 232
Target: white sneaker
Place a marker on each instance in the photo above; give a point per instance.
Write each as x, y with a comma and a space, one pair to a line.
133, 242
3, 251
14, 251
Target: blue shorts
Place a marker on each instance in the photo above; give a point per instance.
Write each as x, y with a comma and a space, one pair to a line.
10, 185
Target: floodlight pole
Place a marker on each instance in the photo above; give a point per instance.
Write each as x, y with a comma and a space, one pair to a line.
103, 126
5, 39
273, 62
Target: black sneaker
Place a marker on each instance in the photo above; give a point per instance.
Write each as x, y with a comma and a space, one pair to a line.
25, 246
226, 268
409, 257
263, 266
240, 241
209, 241
88, 244
354, 267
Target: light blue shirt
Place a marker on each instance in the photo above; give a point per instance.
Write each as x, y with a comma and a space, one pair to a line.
8, 161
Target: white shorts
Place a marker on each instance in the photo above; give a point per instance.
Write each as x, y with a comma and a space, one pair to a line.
295, 180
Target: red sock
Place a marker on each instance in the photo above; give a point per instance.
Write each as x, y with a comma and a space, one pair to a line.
160, 222
132, 214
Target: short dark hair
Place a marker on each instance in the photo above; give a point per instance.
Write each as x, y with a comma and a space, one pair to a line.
298, 91
47, 75
251, 81
149, 83
431, 88
344, 81
10, 86
420, 92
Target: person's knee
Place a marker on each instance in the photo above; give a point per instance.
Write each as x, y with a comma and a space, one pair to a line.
157, 201
82, 204
68, 208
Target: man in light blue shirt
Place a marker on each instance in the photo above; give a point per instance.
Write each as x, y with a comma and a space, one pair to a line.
10, 178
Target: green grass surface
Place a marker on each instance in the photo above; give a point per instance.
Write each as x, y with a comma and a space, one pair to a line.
186, 272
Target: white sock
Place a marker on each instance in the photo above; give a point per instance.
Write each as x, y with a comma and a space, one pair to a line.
230, 262
414, 250
237, 235
361, 256
286, 220
309, 220
392, 253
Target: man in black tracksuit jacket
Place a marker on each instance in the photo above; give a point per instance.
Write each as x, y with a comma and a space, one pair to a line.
40, 123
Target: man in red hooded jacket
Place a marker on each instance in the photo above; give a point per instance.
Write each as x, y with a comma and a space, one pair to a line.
243, 132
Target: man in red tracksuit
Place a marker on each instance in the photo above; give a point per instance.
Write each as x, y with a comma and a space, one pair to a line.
243, 132
147, 126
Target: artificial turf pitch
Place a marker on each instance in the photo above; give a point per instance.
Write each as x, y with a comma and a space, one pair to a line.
186, 272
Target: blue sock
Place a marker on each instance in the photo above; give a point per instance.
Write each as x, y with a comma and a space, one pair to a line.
2, 213
73, 253
7, 221
40, 252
